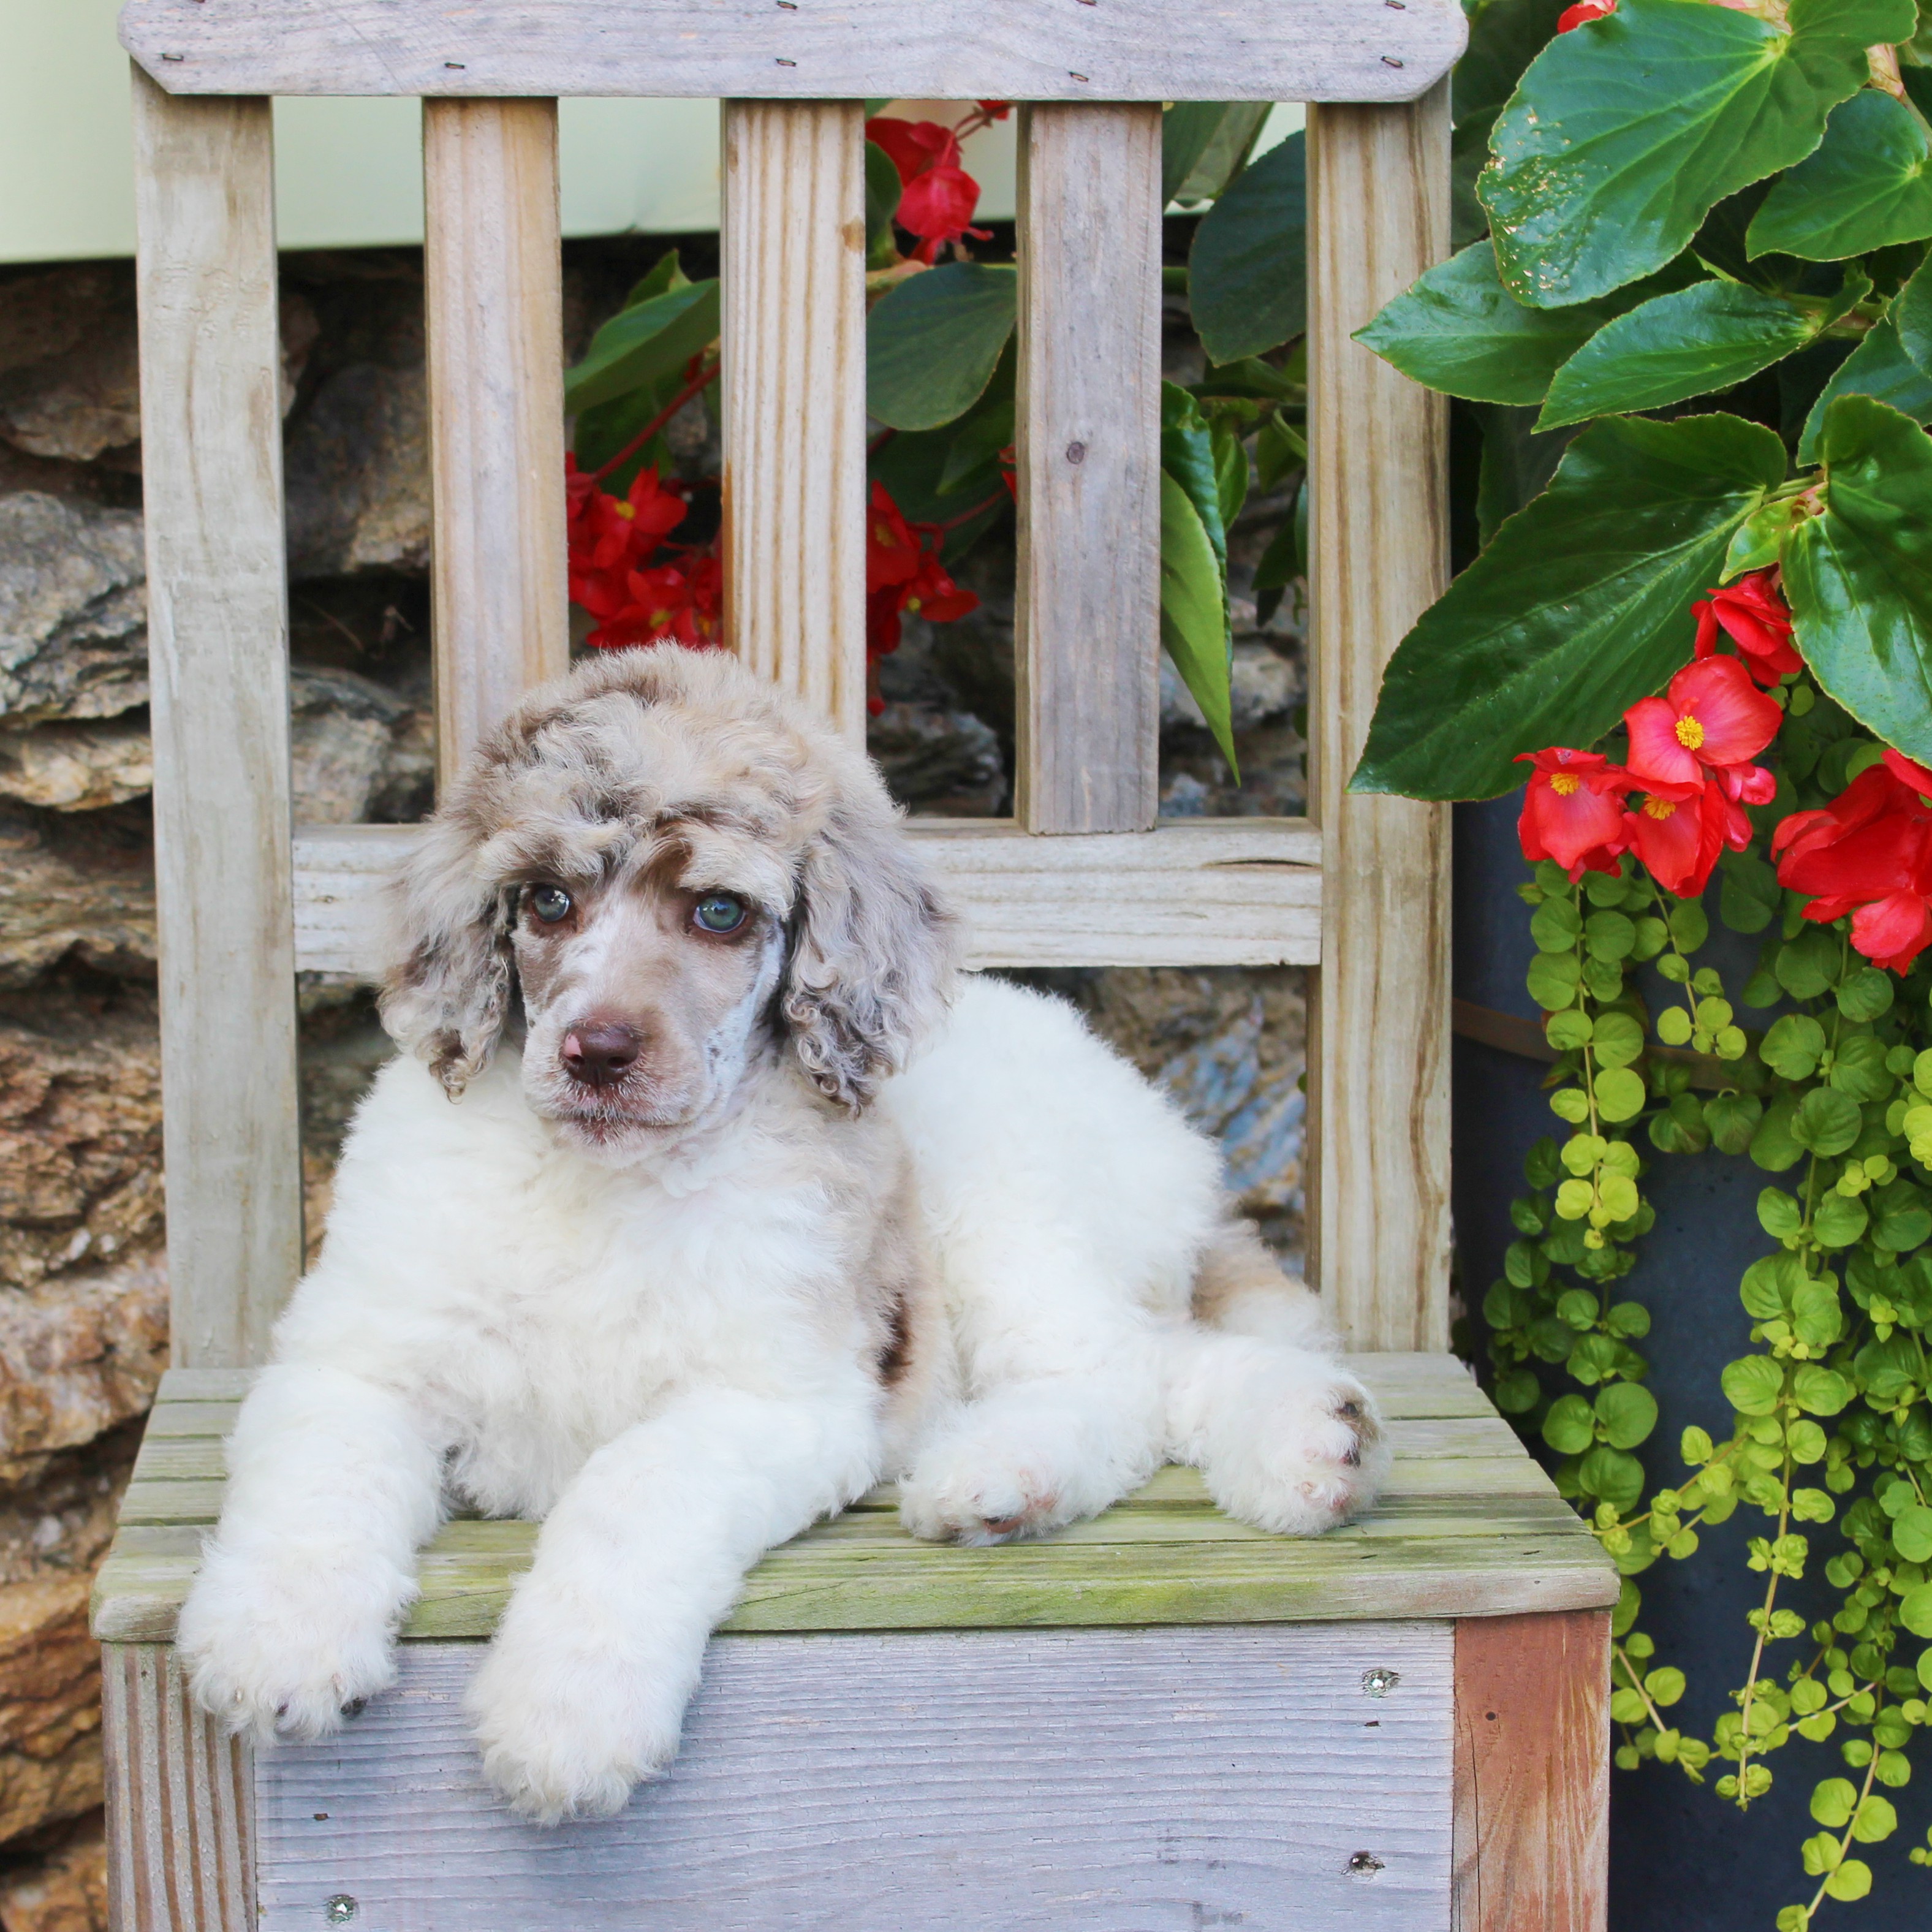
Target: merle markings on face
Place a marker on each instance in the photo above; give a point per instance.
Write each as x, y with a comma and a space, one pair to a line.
643, 1001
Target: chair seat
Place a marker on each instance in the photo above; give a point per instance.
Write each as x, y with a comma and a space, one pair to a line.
1468, 1525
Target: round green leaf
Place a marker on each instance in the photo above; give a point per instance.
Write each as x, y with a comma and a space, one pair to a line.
1568, 1029
1555, 925
1778, 1214
932, 343
1628, 1413
1819, 1390
1866, 994
1247, 271
1852, 1880
1915, 1613
1620, 1093
1753, 1385
1793, 1046
1552, 978
1868, 185
1609, 935
1732, 1119
1772, 1145
1912, 1533
1838, 1221
1833, 1802
1569, 1427
1673, 1026
1612, 1475
1827, 1122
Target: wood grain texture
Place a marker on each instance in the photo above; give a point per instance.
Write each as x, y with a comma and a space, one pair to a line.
793, 539
1087, 598
492, 273
1378, 1035
1235, 891
1469, 1525
181, 1803
1099, 1780
1533, 1773
218, 652
933, 49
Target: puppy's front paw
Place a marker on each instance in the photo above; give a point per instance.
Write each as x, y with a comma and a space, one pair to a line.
1296, 1454
566, 1732
285, 1645
970, 1488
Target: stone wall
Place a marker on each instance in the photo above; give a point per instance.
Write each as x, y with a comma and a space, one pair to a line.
83, 1289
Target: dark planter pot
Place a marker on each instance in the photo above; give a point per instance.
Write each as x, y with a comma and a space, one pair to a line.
1679, 1858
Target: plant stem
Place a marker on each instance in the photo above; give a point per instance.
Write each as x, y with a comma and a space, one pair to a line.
698, 384
1851, 1824
1757, 1649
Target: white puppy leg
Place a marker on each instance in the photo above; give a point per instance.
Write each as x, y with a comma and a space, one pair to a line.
332, 1487
582, 1692
1285, 1439
1066, 1415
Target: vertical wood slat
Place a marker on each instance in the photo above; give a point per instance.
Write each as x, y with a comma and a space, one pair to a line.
1088, 599
1378, 1046
218, 647
493, 299
181, 1803
793, 253
1532, 1776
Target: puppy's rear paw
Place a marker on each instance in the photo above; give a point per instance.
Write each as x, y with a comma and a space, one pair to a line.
1294, 1454
964, 1490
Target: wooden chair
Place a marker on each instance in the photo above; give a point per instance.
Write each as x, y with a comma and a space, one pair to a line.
1160, 1719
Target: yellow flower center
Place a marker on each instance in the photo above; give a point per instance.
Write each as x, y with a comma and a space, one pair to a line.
624, 509
1564, 783
1689, 733
1659, 808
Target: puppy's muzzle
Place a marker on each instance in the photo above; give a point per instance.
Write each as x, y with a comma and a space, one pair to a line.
599, 1053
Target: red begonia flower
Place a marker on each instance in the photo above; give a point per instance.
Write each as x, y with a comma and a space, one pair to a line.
937, 196
1583, 12
1894, 931
1753, 613
891, 550
904, 574
914, 146
1678, 834
1571, 812
1712, 716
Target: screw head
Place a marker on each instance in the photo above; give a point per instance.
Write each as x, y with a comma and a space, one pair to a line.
338, 1910
1381, 1681
1365, 1864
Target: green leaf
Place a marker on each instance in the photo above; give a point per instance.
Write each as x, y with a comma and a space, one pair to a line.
1837, 1224
1569, 1427
1879, 367
1859, 577
1202, 145
1458, 330
1915, 1612
1912, 1533
1628, 1413
1187, 454
1794, 1046
1851, 1881
882, 203
1868, 185
1620, 1093
1620, 140
1819, 1390
1231, 471
1700, 339
1826, 1122
1194, 610
932, 343
1732, 1119
644, 344
1579, 607
1834, 1802
1911, 314
1247, 270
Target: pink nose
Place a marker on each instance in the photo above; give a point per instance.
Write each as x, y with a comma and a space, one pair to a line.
599, 1053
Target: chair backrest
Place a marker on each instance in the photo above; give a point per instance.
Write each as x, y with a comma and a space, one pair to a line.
1359, 890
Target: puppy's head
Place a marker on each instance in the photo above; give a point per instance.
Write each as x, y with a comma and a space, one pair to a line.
679, 870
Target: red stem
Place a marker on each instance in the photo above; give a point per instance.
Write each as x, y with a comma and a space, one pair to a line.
999, 496
696, 386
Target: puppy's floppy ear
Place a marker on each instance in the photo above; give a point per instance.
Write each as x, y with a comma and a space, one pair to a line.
447, 986
874, 953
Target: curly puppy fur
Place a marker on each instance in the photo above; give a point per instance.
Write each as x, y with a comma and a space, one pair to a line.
746, 1201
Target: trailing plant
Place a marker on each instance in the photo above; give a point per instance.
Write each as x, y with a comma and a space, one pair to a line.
1691, 314
939, 377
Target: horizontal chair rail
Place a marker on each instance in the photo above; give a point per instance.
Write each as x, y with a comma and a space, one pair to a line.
1238, 892
1356, 50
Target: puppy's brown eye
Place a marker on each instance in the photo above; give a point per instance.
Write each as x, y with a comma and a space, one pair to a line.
550, 903
719, 912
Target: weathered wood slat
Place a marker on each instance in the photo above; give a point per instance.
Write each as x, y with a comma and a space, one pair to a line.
793, 539
935, 49
1034, 1782
492, 273
1232, 892
1533, 1773
181, 1803
1378, 1035
217, 648
1086, 599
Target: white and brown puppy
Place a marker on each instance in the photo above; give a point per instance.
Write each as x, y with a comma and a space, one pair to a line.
742, 1211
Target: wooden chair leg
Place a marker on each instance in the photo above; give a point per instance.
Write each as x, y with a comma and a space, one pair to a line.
1532, 1773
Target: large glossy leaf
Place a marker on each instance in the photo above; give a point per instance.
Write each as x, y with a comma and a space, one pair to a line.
642, 344
1247, 271
1504, 37
1580, 606
932, 344
1458, 330
1204, 144
1878, 367
1911, 314
1517, 465
1869, 185
1859, 577
1691, 342
882, 189
1187, 454
1620, 140
1194, 611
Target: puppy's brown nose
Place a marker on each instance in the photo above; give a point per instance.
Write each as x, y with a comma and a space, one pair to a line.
599, 1053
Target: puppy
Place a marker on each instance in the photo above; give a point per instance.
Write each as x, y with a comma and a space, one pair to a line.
701, 1250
